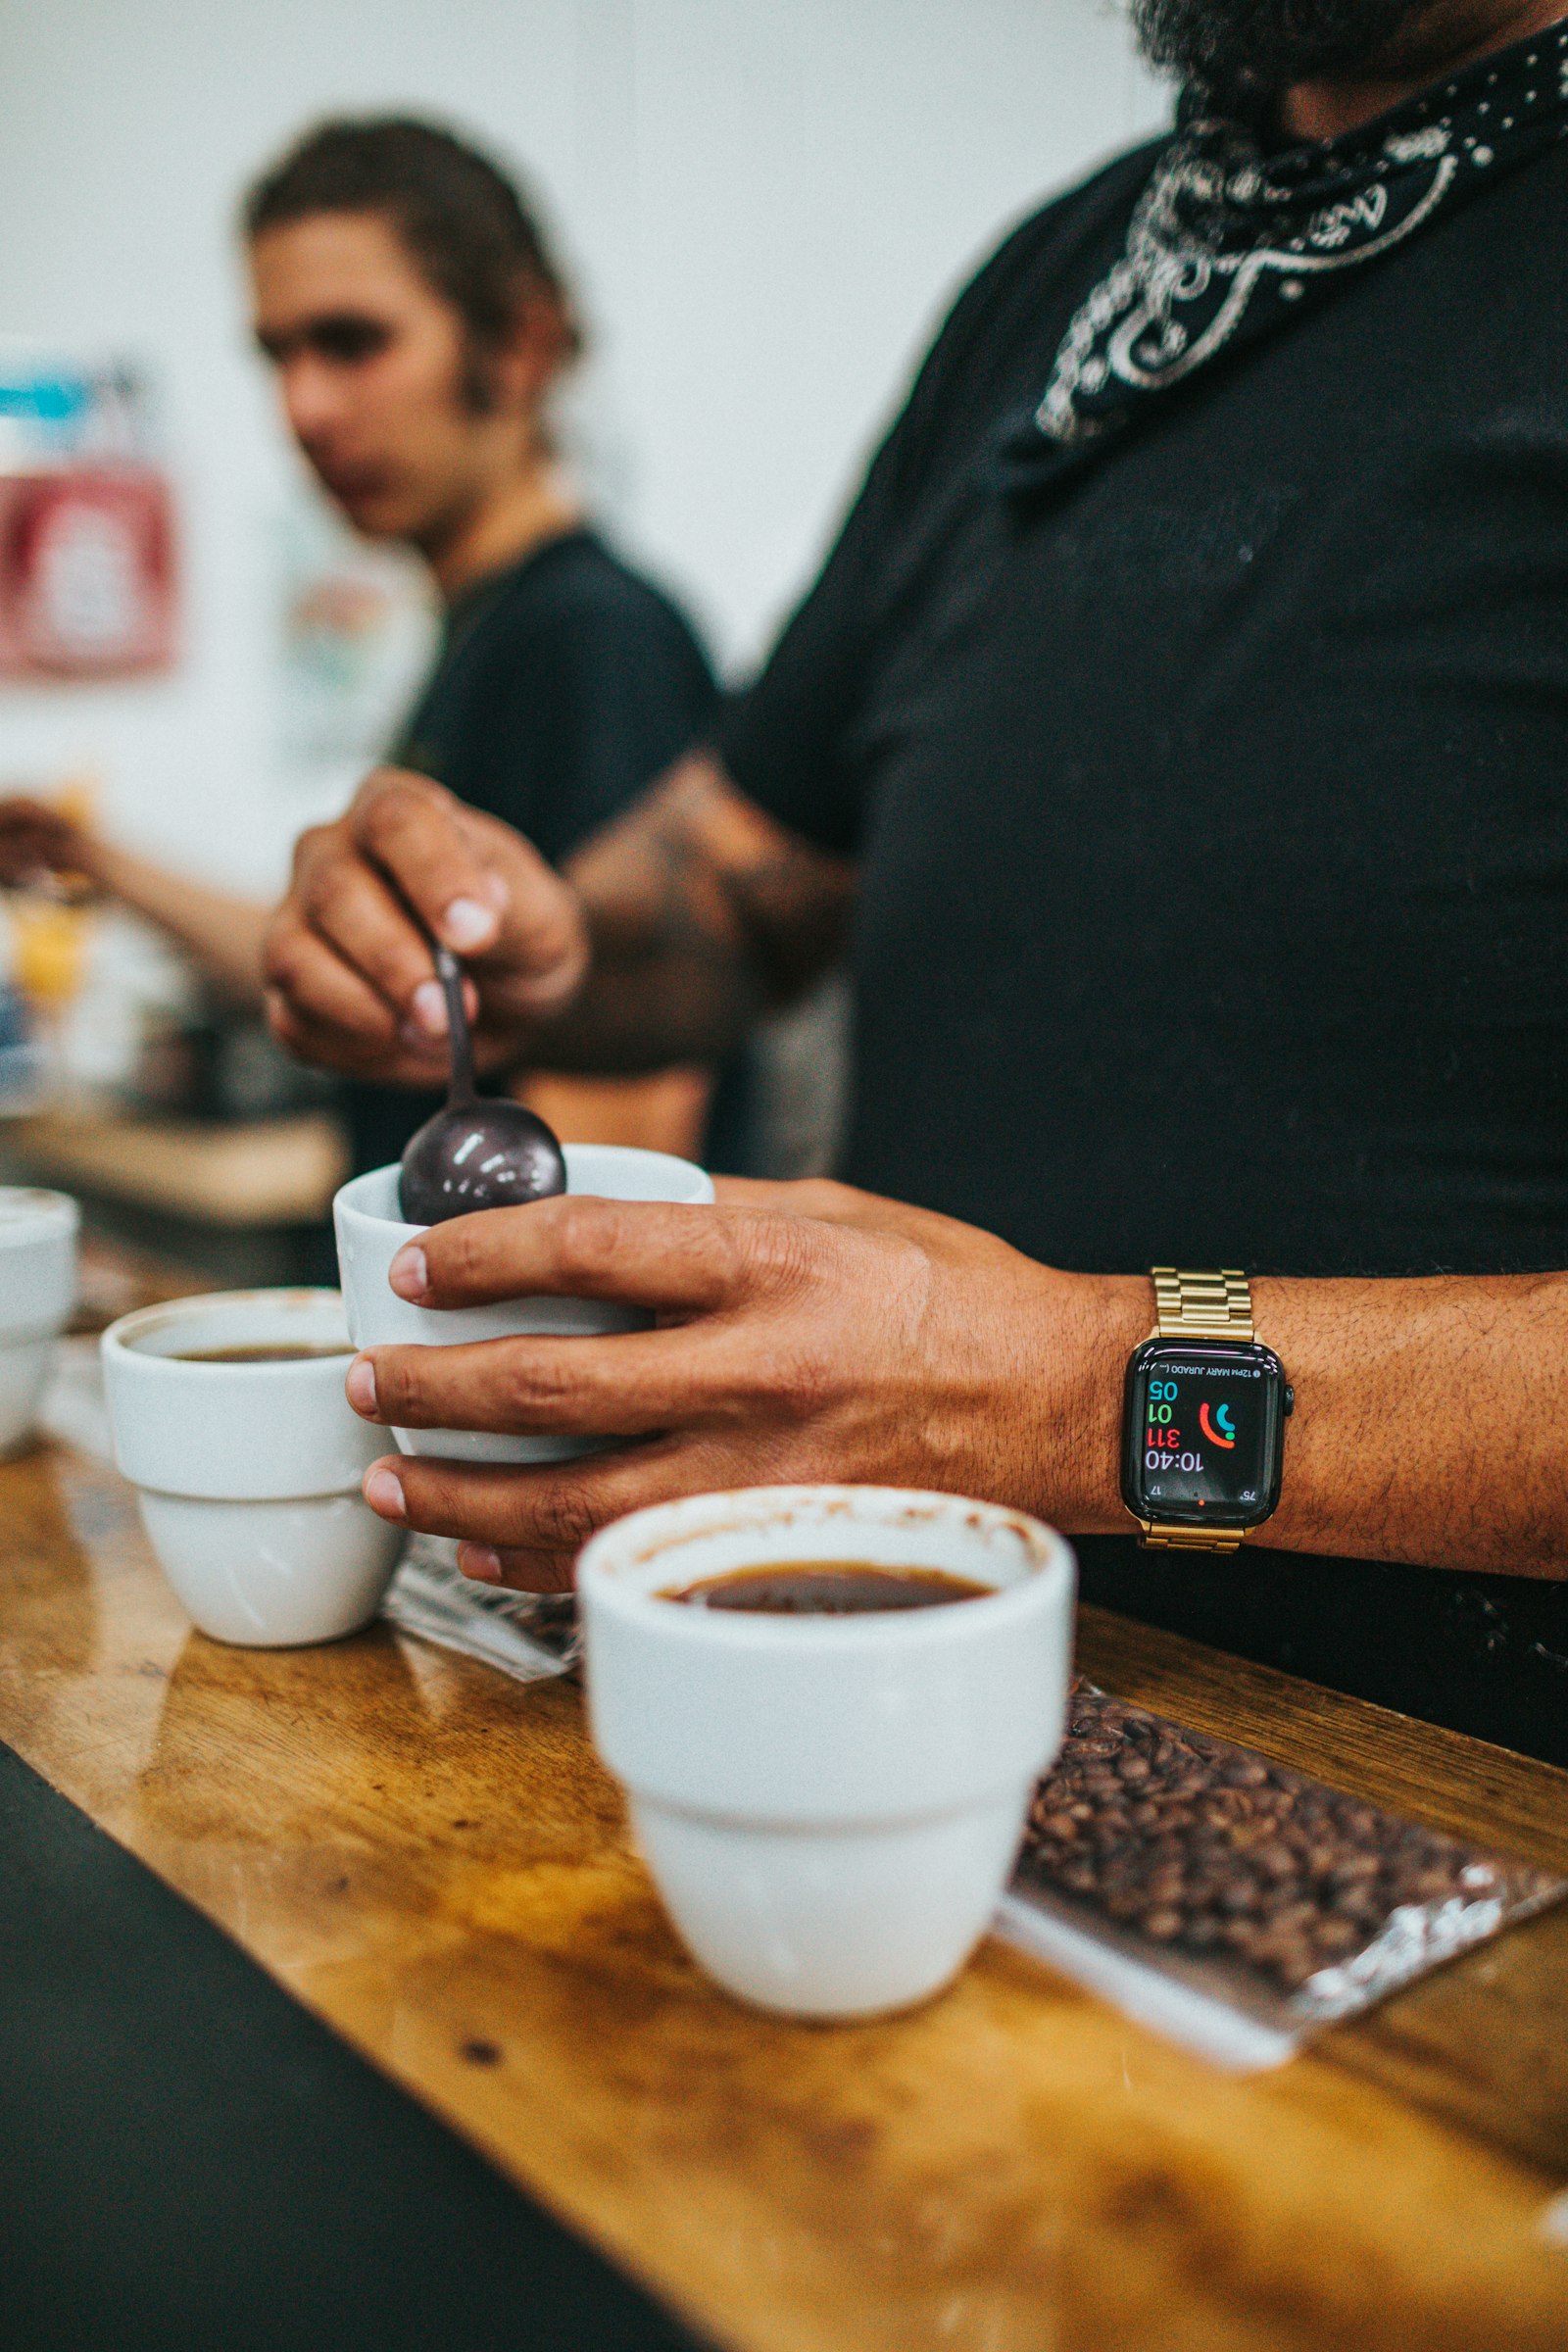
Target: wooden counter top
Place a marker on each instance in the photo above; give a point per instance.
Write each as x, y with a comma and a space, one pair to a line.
428, 1856
281, 1171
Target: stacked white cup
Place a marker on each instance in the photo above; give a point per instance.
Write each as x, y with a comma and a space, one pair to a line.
37, 1290
371, 1229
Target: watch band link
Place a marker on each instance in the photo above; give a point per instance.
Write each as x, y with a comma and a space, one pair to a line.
1199, 1306
1156, 1537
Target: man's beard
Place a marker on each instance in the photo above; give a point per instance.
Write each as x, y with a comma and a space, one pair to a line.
1239, 47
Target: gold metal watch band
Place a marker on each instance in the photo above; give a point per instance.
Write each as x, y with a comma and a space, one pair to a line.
1201, 1306
1197, 1306
1156, 1537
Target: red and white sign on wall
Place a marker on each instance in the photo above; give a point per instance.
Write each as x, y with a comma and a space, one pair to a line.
87, 544
86, 574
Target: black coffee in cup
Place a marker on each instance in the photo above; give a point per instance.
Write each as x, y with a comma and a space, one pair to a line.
827, 1588
264, 1351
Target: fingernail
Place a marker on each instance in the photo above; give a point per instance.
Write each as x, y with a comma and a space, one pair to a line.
360, 1385
480, 1562
429, 1005
409, 1273
383, 1491
467, 925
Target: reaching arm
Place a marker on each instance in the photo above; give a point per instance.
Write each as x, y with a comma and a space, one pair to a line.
813, 1333
701, 912
677, 923
222, 933
1433, 1419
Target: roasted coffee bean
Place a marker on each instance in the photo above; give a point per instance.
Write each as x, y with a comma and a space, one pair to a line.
1193, 1843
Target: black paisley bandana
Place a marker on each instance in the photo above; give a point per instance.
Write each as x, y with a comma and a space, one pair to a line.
1229, 241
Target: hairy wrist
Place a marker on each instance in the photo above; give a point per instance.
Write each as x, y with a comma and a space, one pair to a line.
1118, 1316
1087, 1326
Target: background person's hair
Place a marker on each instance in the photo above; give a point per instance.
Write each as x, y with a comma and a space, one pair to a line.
464, 222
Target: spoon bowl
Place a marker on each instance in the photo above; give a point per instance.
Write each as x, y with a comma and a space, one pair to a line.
478, 1151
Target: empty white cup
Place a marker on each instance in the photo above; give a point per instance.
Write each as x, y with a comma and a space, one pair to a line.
830, 1805
371, 1233
247, 1474
37, 1290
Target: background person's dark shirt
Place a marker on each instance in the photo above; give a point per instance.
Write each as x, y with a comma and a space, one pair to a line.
1212, 813
564, 686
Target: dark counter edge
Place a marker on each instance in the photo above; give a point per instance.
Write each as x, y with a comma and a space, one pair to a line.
190, 2158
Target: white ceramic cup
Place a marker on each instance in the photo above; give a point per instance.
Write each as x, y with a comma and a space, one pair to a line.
371, 1233
247, 1475
830, 1805
37, 1290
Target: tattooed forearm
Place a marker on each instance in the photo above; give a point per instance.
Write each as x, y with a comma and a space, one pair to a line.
702, 913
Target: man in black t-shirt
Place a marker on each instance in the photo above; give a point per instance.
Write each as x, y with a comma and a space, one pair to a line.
1181, 717
417, 324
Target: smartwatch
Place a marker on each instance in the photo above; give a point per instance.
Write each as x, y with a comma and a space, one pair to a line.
1203, 1421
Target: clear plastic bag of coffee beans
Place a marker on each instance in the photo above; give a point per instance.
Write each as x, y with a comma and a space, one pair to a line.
1230, 1902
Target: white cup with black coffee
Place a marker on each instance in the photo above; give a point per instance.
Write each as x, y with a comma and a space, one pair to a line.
828, 1706
229, 1419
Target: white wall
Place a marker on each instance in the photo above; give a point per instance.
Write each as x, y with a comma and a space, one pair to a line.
767, 202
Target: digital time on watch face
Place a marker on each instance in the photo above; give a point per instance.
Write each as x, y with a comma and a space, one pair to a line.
1203, 1441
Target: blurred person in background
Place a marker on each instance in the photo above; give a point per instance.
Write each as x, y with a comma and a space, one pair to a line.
1181, 713
417, 324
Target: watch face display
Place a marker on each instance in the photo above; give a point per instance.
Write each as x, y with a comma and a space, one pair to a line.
1202, 1435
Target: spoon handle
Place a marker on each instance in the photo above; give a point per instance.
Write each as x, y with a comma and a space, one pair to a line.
450, 972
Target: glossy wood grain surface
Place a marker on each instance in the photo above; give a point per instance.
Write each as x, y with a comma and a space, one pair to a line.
429, 1857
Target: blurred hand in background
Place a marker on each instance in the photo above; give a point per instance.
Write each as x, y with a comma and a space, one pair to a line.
51, 848
42, 844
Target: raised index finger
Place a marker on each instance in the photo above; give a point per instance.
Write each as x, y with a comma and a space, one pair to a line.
412, 831
649, 1253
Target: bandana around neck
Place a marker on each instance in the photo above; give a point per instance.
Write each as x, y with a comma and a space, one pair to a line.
1228, 240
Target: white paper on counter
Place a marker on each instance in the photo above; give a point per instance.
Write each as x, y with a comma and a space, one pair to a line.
1210, 2029
73, 1408
528, 1636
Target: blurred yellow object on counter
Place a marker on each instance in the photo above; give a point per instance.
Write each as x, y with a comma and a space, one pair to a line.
50, 926
48, 948
76, 798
